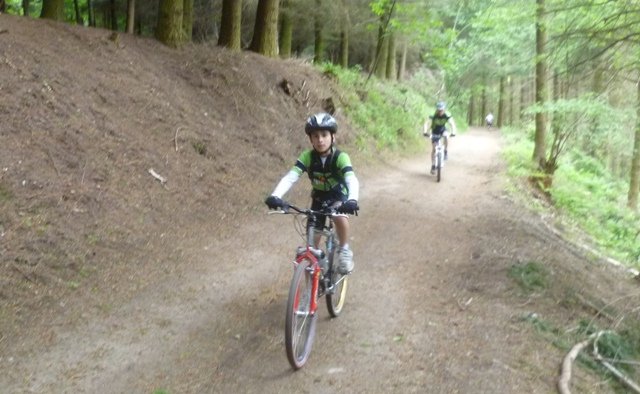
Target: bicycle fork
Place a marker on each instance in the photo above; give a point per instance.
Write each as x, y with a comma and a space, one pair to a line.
314, 269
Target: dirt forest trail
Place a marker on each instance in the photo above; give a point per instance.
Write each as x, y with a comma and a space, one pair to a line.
430, 306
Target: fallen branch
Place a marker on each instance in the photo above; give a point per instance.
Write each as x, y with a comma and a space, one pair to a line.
628, 382
616, 372
175, 138
463, 306
159, 177
565, 370
565, 373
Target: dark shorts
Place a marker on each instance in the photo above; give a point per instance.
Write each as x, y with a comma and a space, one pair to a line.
321, 200
436, 136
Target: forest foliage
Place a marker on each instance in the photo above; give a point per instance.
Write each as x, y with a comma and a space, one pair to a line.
398, 57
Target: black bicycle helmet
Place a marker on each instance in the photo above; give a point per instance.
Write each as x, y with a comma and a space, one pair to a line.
321, 121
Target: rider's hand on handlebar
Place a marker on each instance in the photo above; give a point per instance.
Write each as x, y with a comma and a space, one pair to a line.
349, 206
274, 202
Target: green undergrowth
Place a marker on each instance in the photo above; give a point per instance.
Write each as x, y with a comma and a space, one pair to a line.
388, 114
618, 343
587, 196
620, 348
531, 276
5, 193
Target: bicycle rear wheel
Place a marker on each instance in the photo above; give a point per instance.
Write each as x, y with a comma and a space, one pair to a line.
300, 324
338, 293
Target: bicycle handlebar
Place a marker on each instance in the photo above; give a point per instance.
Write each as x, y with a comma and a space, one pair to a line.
330, 211
427, 135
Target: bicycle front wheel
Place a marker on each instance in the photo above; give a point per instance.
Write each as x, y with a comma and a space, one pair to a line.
300, 325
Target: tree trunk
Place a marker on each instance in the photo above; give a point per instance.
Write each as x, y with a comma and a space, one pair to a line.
286, 30
523, 99
131, 13
52, 9
557, 122
169, 29
187, 20
634, 179
344, 48
391, 69
472, 108
318, 47
91, 13
501, 100
512, 99
113, 15
483, 104
76, 9
402, 70
380, 60
344, 36
380, 65
231, 24
25, 7
598, 88
539, 150
265, 32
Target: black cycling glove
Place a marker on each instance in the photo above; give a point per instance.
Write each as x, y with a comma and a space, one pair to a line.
349, 206
274, 202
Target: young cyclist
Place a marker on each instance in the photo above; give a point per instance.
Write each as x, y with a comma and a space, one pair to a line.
332, 180
437, 124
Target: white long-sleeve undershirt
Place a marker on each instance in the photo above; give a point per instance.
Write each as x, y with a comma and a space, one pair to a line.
285, 184
353, 185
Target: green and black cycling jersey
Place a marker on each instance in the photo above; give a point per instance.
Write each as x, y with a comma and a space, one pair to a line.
332, 177
439, 122
327, 174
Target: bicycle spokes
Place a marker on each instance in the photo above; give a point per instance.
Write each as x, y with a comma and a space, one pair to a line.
301, 319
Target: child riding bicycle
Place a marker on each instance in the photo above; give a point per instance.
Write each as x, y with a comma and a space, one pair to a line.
332, 180
437, 123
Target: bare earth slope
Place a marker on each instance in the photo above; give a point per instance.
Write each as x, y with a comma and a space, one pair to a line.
112, 282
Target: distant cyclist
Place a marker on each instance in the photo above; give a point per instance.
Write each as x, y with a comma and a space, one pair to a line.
489, 120
437, 123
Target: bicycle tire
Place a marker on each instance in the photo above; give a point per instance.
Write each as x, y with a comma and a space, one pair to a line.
300, 324
439, 167
337, 296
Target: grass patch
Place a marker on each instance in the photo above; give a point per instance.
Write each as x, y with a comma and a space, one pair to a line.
531, 276
73, 285
200, 147
5, 193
